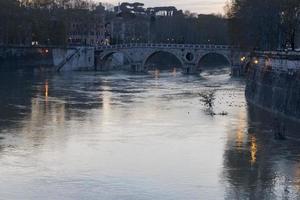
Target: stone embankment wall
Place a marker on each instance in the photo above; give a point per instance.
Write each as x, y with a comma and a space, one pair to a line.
13, 58
28, 58
273, 83
74, 59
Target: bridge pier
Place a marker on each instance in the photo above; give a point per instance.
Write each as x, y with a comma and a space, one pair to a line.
237, 70
137, 67
189, 69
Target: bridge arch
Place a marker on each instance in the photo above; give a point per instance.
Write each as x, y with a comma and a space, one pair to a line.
153, 53
205, 55
105, 57
189, 56
110, 53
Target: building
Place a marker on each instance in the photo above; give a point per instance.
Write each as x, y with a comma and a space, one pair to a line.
133, 23
87, 27
167, 11
130, 24
129, 30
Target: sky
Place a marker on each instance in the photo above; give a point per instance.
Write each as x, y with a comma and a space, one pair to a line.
198, 6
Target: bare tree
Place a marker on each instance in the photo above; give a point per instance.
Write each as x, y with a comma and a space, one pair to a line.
208, 98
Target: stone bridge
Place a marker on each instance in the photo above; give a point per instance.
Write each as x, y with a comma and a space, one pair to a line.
189, 55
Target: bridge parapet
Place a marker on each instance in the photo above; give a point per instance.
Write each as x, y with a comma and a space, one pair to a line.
292, 55
277, 61
165, 46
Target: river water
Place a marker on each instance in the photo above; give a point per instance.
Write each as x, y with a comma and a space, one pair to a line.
118, 136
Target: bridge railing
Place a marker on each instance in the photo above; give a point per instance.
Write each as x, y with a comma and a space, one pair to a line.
278, 53
170, 46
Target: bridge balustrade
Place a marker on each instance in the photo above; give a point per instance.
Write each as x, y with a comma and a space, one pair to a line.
161, 45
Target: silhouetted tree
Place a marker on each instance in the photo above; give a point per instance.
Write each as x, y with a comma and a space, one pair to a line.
267, 24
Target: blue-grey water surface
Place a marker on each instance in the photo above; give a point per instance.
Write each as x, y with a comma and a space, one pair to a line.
117, 136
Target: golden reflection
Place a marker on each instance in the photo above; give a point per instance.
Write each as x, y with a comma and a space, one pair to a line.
46, 91
156, 73
253, 149
43, 114
174, 73
106, 99
297, 177
240, 133
239, 139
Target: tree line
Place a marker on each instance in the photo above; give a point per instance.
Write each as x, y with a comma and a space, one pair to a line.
264, 24
48, 21
191, 29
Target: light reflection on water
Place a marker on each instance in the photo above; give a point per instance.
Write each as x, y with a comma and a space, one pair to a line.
126, 136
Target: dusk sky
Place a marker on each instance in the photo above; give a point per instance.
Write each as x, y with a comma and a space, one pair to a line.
198, 6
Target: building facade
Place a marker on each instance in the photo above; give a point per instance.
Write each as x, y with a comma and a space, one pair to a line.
133, 23
87, 28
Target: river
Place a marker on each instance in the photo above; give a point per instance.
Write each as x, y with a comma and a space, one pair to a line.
118, 136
